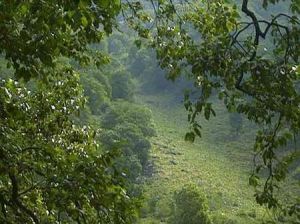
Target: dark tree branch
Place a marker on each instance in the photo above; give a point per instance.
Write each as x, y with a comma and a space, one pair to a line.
256, 26
236, 35
3, 204
33, 187
79, 207
256, 40
16, 201
259, 33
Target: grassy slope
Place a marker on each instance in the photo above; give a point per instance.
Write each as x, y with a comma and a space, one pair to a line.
218, 162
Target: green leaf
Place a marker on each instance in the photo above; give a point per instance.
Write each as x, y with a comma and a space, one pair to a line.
23, 9
253, 180
207, 112
190, 137
197, 131
138, 43
84, 21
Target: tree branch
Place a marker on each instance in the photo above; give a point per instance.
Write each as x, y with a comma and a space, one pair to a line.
256, 26
16, 201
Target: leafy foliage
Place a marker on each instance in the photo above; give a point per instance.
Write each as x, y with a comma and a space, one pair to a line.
51, 169
122, 86
207, 40
190, 206
45, 30
124, 124
97, 92
129, 126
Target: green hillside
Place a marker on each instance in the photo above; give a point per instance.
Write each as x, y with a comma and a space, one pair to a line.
219, 163
220, 169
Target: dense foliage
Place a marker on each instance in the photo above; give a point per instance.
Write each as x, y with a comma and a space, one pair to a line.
35, 33
124, 125
52, 168
190, 206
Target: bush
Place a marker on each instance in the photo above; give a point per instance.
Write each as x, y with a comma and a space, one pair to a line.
124, 112
222, 219
103, 79
190, 206
122, 86
127, 127
98, 97
129, 139
142, 148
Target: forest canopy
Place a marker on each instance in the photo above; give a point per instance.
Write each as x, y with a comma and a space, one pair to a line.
250, 59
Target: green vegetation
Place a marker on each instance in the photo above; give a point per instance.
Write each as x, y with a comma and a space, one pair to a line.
221, 54
190, 206
209, 163
219, 163
91, 131
48, 163
53, 170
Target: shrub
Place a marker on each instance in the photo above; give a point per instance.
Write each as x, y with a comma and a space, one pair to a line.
127, 127
190, 206
124, 112
222, 219
122, 86
97, 94
103, 79
130, 139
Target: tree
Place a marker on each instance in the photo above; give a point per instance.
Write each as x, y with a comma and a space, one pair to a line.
250, 58
206, 39
52, 170
35, 33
